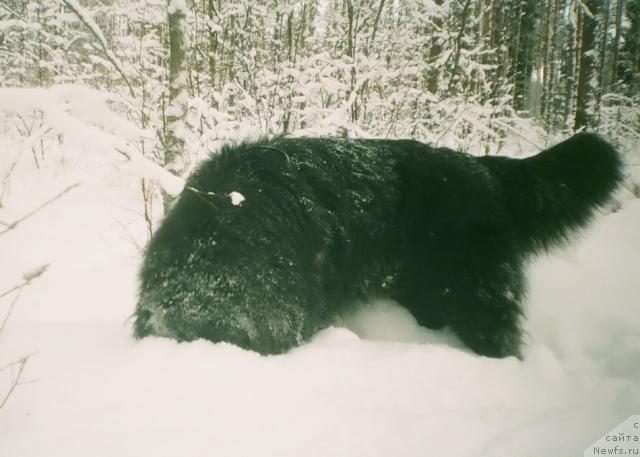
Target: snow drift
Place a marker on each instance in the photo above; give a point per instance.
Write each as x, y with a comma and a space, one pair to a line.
382, 387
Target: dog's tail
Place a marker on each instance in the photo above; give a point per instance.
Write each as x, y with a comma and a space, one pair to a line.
550, 195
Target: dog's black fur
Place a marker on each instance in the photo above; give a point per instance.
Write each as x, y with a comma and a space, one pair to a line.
330, 222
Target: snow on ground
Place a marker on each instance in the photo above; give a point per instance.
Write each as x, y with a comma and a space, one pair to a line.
395, 390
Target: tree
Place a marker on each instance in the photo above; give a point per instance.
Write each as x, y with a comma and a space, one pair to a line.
629, 64
523, 51
616, 44
176, 112
588, 57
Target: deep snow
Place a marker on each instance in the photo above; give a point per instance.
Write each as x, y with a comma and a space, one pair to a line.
397, 390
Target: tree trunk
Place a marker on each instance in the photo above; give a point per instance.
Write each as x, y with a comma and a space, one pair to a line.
584, 114
552, 66
630, 68
213, 45
602, 77
568, 73
616, 43
458, 46
176, 112
544, 63
351, 52
524, 65
434, 53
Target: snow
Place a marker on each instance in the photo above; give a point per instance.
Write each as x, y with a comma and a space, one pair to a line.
84, 122
381, 387
177, 6
236, 198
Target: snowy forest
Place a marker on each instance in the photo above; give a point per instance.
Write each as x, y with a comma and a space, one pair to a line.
471, 69
107, 105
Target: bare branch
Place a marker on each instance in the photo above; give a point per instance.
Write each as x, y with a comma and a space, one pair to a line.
22, 362
17, 362
5, 182
13, 289
8, 315
28, 277
16, 381
10, 11
14, 224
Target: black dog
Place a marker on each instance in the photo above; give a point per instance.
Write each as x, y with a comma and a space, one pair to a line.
327, 223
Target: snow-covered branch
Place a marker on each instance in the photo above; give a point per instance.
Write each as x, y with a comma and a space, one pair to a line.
102, 41
9, 10
169, 182
83, 118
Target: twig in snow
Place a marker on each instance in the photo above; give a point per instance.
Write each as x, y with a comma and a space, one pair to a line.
5, 182
27, 277
13, 303
20, 363
16, 381
131, 239
15, 223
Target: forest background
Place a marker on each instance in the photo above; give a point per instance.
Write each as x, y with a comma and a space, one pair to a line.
470, 74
